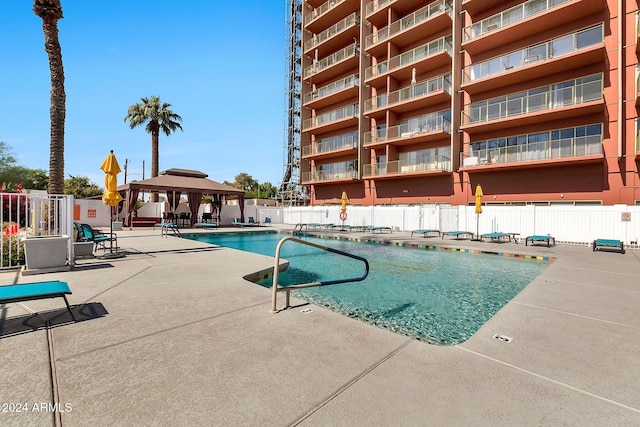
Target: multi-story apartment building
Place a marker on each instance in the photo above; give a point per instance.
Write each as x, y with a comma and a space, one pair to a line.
408, 101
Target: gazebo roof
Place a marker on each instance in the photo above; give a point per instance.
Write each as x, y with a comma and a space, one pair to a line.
183, 180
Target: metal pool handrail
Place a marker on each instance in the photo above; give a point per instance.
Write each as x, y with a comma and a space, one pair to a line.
276, 271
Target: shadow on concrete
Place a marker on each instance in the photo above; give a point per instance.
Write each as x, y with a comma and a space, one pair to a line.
51, 318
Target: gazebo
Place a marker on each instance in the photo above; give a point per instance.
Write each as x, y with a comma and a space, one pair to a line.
174, 182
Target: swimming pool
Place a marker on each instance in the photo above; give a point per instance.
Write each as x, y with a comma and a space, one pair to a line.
441, 297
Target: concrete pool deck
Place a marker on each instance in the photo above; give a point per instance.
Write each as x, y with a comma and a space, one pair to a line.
185, 340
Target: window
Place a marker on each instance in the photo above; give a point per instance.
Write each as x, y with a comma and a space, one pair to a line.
589, 37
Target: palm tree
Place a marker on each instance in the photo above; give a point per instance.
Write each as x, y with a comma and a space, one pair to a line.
159, 118
51, 11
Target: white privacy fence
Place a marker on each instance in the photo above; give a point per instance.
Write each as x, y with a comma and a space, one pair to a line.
28, 215
568, 224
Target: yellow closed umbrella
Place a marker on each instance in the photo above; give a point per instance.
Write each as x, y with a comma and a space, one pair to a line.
111, 168
479, 199
111, 197
478, 211
343, 209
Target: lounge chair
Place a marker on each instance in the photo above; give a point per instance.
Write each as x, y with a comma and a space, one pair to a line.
205, 225
34, 291
540, 239
267, 220
427, 232
87, 234
253, 221
608, 245
373, 229
458, 234
500, 237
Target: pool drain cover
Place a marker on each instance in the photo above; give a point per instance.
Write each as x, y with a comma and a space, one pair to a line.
306, 310
502, 338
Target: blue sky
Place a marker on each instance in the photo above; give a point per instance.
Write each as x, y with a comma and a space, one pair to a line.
219, 63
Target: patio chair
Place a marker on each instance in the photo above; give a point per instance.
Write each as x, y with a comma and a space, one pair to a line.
207, 217
267, 220
87, 234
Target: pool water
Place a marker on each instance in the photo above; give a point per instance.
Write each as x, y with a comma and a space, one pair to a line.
442, 297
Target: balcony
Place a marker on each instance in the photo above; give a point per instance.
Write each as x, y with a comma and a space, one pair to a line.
524, 20
431, 128
438, 53
326, 14
423, 94
578, 97
328, 177
332, 147
476, 6
430, 19
584, 149
638, 31
573, 50
334, 65
342, 32
332, 120
333, 93
399, 168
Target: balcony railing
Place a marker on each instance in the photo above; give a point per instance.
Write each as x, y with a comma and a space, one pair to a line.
544, 150
332, 31
376, 5
407, 22
350, 81
349, 111
409, 92
443, 44
327, 145
329, 176
509, 16
533, 54
319, 11
435, 163
536, 100
431, 123
327, 62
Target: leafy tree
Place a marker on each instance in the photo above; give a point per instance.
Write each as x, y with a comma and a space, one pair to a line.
34, 179
80, 187
244, 181
51, 12
268, 190
158, 117
6, 157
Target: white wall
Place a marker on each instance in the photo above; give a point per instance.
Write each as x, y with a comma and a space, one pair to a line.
568, 224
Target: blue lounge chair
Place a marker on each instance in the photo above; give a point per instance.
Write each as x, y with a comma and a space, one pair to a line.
427, 232
33, 291
87, 234
373, 229
458, 234
497, 237
540, 239
608, 244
